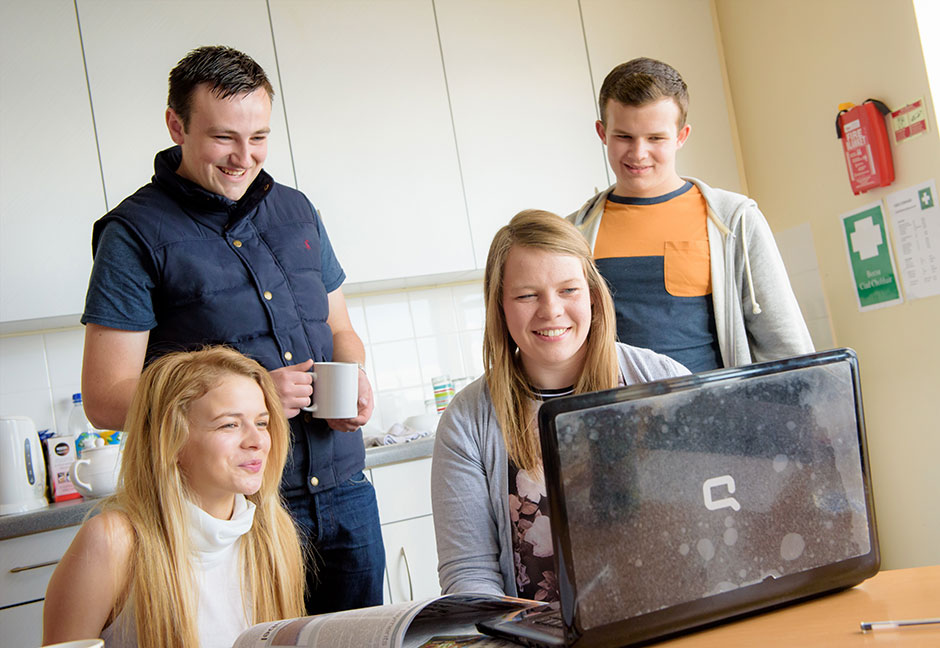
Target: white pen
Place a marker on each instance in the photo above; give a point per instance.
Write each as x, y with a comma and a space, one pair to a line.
868, 626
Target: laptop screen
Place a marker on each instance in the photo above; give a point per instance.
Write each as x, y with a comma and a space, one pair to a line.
712, 485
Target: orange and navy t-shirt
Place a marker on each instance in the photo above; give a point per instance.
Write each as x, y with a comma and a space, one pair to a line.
654, 254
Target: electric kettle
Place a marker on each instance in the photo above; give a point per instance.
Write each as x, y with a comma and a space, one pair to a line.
22, 467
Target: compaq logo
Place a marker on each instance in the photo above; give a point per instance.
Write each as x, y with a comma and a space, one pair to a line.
726, 502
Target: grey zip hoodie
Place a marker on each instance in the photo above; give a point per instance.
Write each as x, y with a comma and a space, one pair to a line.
756, 314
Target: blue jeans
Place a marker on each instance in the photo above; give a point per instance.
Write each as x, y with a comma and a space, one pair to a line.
346, 561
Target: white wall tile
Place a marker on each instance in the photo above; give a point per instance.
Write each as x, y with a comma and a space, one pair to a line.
410, 337
396, 365
64, 355
432, 311
357, 315
468, 300
440, 356
388, 317
23, 359
399, 404
34, 403
471, 346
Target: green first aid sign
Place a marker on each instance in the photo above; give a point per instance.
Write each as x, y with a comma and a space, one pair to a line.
870, 260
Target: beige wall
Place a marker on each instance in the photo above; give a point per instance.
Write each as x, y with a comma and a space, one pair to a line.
790, 63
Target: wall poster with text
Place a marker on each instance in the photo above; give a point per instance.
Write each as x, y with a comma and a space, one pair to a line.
870, 261
915, 226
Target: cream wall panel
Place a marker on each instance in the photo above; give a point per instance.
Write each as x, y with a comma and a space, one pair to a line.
790, 65
372, 135
130, 48
523, 109
50, 183
679, 32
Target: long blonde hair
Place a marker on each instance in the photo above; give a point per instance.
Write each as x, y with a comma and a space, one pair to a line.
152, 493
509, 388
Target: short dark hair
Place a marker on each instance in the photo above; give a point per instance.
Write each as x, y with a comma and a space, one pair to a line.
642, 81
227, 71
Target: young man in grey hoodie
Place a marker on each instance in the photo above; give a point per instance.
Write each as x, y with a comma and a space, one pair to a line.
694, 271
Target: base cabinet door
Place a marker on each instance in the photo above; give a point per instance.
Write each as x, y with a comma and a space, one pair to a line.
411, 559
21, 626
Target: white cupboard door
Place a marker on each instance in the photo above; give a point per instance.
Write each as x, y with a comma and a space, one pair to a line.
524, 109
27, 563
683, 34
50, 182
411, 559
21, 626
130, 48
403, 490
372, 135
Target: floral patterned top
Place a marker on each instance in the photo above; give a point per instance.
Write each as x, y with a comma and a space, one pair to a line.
531, 527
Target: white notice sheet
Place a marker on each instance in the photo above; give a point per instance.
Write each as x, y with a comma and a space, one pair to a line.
915, 220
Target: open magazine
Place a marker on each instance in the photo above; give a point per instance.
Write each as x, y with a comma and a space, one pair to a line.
442, 622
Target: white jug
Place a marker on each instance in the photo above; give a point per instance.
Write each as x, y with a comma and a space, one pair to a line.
22, 467
96, 473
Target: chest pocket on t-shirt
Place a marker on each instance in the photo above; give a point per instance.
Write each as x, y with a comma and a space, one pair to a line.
686, 268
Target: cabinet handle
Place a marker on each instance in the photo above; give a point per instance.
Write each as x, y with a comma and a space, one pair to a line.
411, 591
49, 563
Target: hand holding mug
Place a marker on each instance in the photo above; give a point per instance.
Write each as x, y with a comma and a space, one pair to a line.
294, 385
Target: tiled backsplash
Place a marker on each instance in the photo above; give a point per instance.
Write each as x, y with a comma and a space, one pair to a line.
414, 336
410, 337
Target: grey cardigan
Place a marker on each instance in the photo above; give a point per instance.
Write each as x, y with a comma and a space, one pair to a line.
470, 482
745, 266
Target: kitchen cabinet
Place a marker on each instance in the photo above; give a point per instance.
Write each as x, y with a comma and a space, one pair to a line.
523, 109
26, 565
371, 133
403, 492
21, 626
411, 559
50, 183
681, 33
417, 128
130, 48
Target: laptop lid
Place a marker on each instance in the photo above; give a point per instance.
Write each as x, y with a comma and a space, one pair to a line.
690, 500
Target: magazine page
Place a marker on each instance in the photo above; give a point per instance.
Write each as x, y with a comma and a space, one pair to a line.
382, 626
450, 618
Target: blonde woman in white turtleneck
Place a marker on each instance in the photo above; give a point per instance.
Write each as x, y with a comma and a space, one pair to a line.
194, 547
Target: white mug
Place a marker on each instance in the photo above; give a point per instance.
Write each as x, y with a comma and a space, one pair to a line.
335, 390
80, 643
96, 473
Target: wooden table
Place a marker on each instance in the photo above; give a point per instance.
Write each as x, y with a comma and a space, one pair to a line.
833, 620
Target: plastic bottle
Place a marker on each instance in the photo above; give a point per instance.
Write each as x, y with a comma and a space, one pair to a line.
79, 427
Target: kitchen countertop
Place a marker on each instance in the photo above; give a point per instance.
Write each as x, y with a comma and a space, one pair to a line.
72, 512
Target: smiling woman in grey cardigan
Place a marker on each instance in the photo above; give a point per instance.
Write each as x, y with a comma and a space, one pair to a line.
550, 332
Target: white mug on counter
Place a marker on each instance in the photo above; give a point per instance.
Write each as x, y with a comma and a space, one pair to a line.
335, 390
96, 473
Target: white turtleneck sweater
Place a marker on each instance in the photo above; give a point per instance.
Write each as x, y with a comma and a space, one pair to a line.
220, 616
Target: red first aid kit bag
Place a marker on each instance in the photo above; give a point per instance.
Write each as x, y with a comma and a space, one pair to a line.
866, 145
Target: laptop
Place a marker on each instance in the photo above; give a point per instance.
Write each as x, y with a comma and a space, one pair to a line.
688, 501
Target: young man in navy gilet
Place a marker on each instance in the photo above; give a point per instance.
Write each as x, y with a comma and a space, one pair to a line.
694, 271
214, 251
